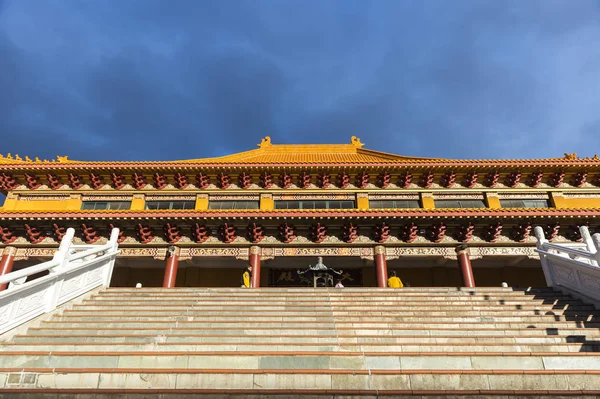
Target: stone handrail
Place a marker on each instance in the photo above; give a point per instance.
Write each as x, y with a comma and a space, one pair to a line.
73, 271
574, 268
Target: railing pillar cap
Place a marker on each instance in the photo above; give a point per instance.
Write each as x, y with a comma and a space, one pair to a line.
539, 233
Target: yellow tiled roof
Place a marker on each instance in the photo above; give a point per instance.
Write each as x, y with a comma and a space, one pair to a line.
269, 153
294, 154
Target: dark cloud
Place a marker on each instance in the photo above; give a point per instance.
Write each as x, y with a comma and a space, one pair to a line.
160, 80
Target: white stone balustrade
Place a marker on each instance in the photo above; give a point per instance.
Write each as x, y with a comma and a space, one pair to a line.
73, 271
573, 267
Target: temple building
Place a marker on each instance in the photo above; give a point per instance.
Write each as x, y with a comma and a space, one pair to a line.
200, 222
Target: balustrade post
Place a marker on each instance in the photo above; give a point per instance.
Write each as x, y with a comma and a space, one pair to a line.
589, 243
546, 268
255, 263
464, 263
596, 242
381, 266
6, 263
62, 255
171, 269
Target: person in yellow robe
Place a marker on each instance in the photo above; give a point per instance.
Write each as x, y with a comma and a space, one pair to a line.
247, 277
394, 281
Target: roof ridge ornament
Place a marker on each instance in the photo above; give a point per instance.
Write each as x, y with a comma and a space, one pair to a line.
356, 142
9, 158
571, 157
266, 142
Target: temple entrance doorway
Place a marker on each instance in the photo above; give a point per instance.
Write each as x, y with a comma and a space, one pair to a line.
492, 271
352, 271
197, 272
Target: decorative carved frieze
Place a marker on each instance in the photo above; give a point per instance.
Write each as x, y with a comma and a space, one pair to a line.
455, 196
315, 197
446, 252
86, 198
233, 197
238, 253
57, 197
156, 253
522, 195
390, 196
316, 251
26, 253
158, 197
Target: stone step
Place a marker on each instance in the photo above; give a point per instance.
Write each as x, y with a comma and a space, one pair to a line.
201, 346
344, 331
86, 310
199, 316
388, 324
197, 347
316, 383
346, 302
312, 338
327, 292
349, 306
289, 307
270, 360
366, 294
330, 289
398, 295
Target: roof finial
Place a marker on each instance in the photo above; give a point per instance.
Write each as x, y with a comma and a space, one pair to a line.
571, 157
356, 142
266, 142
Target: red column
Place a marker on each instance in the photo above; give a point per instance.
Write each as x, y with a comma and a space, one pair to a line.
255, 263
381, 266
464, 262
6, 263
171, 269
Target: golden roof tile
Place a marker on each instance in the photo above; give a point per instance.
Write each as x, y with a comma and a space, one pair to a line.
352, 154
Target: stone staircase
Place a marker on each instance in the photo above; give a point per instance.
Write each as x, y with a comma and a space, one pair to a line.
414, 342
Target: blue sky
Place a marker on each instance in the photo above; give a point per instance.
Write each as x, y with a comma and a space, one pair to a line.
159, 80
